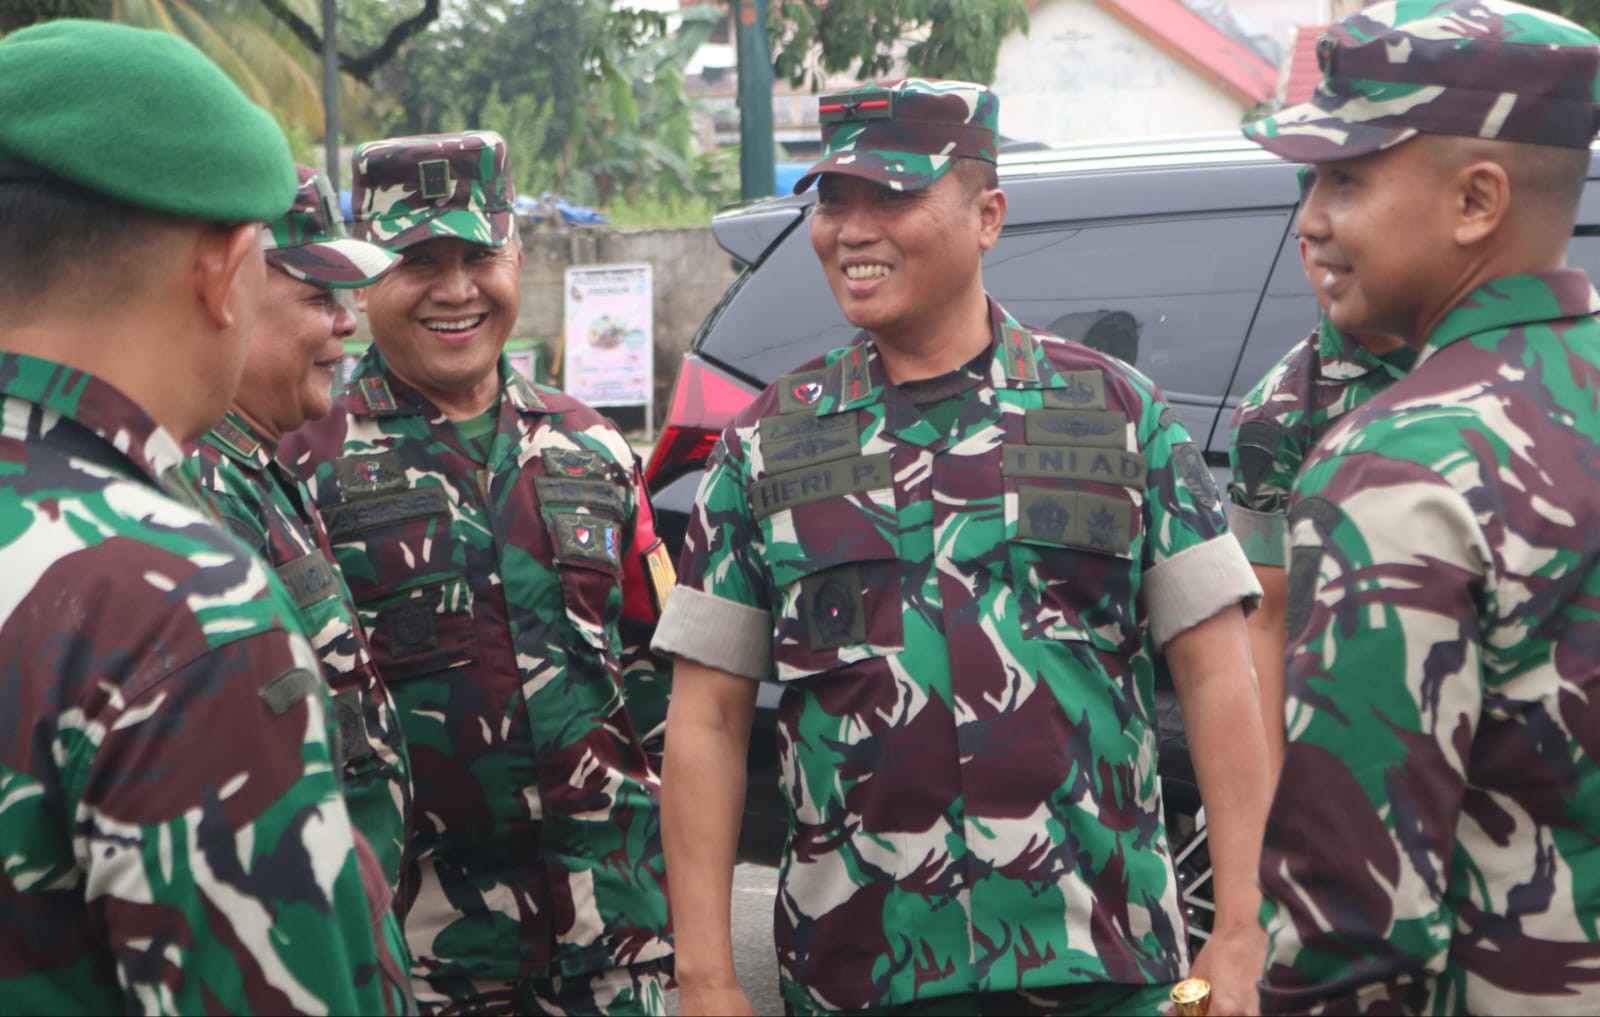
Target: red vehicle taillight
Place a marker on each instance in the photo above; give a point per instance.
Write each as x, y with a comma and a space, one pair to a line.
703, 402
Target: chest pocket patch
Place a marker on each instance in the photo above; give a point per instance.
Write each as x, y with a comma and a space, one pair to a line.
362, 476
589, 537
597, 495
1078, 519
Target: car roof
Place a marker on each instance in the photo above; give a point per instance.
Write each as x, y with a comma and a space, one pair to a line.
747, 230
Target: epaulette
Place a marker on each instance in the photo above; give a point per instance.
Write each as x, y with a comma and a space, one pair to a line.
377, 397
1019, 349
528, 394
236, 438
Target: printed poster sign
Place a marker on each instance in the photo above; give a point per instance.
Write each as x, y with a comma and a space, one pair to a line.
609, 358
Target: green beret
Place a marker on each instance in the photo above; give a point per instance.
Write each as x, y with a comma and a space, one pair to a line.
142, 117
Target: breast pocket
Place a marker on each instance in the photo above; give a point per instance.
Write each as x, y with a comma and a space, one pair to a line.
394, 548
1073, 552
588, 560
834, 563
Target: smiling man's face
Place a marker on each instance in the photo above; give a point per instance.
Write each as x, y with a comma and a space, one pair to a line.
296, 343
442, 317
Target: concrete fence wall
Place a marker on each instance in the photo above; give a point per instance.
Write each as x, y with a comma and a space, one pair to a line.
689, 270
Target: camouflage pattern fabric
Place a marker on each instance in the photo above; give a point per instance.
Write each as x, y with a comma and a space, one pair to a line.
967, 741
1475, 68
636, 991
309, 241
905, 134
1288, 412
504, 604
270, 511
1434, 846
407, 190
171, 826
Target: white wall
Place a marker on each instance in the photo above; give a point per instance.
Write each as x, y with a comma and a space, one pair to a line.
1279, 18
1080, 73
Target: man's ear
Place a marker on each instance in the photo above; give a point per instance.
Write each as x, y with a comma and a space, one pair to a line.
224, 255
992, 207
1482, 198
361, 298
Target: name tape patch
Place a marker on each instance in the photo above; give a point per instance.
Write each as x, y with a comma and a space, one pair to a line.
308, 579
591, 494
349, 518
1074, 462
814, 483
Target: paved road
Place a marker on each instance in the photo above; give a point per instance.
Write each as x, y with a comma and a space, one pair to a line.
753, 890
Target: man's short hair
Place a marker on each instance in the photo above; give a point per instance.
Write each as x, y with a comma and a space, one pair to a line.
60, 241
976, 175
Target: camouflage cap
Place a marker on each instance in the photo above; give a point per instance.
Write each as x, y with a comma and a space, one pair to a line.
309, 241
904, 134
408, 190
1476, 68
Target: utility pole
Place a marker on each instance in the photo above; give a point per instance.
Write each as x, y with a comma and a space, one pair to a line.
330, 90
757, 174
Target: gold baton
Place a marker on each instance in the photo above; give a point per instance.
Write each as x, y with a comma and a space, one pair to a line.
1192, 997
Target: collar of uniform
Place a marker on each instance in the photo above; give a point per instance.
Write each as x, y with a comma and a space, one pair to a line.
1516, 300
1341, 357
96, 406
376, 391
236, 439
857, 378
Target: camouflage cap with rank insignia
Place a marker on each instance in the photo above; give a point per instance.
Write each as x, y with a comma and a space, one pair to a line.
309, 241
1474, 68
905, 134
407, 190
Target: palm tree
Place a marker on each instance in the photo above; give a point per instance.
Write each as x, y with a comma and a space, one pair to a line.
250, 47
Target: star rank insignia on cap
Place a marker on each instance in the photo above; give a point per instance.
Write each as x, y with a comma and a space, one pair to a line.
844, 106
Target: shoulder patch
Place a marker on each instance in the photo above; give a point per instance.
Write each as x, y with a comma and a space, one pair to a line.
658, 561
1196, 475
1257, 449
800, 392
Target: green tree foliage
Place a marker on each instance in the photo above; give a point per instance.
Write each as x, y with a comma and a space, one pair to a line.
590, 98
941, 38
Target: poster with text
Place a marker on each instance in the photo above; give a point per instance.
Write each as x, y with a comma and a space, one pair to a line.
609, 357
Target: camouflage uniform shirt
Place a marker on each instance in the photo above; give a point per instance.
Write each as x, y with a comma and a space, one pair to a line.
1288, 412
268, 509
494, 597
1434, 846
171, 828
964, 626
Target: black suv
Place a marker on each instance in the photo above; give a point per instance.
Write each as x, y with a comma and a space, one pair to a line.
1178, 256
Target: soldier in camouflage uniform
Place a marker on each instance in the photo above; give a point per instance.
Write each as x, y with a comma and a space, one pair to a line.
499, 545
960, 544
1434, 845
294, 351
1318, 381
173, 835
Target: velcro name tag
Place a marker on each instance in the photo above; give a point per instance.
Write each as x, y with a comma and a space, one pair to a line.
361, 476
589, 537
814, 483
802, 439
1083, 390
598, 495
349, 518
1074, 519
287, 689
1074, 462
1100, 428
352, 725
308, 579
